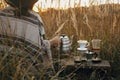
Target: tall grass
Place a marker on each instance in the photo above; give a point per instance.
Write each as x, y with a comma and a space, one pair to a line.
2, 4
100, 21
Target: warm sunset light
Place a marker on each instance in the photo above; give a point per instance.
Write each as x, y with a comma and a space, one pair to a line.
64, 4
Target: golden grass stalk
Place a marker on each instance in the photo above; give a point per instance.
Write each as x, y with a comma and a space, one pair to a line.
17, 71
74, 20
57, 74
7, 52
60, 28
87, 23
114, 24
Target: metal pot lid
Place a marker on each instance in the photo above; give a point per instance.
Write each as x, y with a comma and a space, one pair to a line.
87, 52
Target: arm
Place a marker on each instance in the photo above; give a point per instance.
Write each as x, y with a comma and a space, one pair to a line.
46, 44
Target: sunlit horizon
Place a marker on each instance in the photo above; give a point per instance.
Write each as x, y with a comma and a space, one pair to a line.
65, 4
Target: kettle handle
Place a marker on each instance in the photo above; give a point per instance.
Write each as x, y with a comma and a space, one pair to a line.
71, 39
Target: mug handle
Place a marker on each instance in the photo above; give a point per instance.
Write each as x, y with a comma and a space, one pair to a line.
88, 44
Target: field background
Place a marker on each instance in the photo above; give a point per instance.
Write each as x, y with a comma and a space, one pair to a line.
87, 23
99, 21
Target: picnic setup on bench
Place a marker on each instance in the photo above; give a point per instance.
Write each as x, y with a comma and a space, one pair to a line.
85, 59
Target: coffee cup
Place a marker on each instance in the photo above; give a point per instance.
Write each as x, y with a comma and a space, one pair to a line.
83, 43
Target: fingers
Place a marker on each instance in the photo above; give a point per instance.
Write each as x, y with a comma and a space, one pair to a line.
55, 41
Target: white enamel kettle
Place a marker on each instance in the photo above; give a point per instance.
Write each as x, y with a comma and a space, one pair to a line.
65, 43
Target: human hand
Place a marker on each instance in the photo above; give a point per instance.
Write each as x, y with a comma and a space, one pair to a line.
55, 41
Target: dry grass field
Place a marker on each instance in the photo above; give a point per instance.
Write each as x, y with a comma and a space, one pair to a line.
87, 23
102, 21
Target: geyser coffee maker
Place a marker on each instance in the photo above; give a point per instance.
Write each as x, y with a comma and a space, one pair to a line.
93, 54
